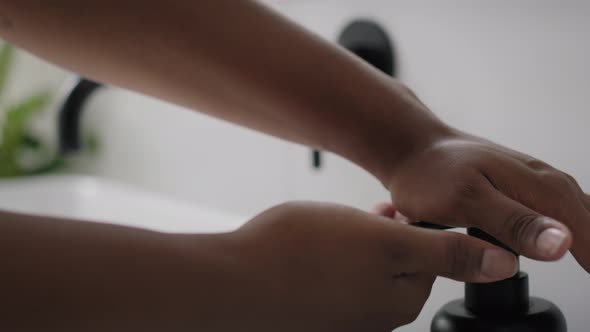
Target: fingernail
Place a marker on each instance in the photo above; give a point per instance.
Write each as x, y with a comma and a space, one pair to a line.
498, 264
550, 240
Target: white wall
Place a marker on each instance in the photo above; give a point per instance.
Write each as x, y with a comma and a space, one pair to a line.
30, 75
512, 71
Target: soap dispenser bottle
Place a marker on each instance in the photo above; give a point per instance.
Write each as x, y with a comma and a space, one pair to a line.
503, 306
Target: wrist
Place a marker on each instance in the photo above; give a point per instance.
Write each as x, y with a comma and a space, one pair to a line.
397, 148
395, 129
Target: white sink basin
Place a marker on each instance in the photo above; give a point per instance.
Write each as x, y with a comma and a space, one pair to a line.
101, 200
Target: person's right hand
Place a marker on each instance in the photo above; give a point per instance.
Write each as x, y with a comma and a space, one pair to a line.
319, 267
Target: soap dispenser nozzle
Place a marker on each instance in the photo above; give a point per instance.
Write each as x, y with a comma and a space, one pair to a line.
503, 306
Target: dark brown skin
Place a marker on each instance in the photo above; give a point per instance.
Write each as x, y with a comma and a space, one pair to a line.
468, 181
291, 84
318, 267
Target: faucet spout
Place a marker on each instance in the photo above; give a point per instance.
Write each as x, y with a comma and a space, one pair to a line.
70, 114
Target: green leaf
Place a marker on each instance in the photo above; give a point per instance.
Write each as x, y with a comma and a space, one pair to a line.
15, 126
6, 56
32, 143
8, 168
53, 165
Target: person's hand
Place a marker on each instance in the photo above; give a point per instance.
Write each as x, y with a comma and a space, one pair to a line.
462, 180
324, 267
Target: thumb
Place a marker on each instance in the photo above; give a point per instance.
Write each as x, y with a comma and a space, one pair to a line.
457, 256
522, 229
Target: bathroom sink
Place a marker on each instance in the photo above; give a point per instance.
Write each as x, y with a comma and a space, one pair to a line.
108, 201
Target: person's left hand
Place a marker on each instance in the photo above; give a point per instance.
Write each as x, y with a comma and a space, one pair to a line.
466, 181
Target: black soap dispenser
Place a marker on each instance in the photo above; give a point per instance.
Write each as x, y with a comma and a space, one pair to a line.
503, 306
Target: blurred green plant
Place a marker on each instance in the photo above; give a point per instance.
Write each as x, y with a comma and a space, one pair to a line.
15, 138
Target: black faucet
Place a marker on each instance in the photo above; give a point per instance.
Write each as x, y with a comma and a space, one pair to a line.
369, 41
69, 135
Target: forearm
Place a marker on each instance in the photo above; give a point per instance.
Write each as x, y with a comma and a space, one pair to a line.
232, 59
60, 275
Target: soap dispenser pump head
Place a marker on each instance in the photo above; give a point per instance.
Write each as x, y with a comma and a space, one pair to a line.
507, 297
503, 306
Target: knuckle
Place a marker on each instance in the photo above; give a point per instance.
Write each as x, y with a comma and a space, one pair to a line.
463, 195
536, 164
457, 256
571, 181
519, 228
562, 179
559, 184
569, 177
557, 179
468, 190
403, 88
